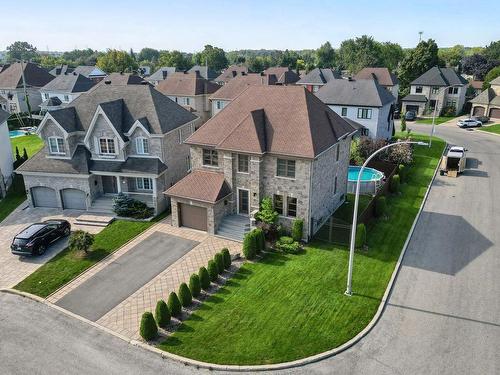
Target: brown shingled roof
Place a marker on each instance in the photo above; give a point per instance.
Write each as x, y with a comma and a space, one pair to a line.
231, 72
284, 75
35, 76
383, 76
240, 83
282, 120
201, 185
188, 84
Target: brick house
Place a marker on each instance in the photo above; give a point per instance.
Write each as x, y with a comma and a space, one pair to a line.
271, 141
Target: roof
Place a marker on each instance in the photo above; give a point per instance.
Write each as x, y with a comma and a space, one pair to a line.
478, 85
188, 84
485, 97
496, 81
89, 71
414, 98
231, 72
437, 76
382, 75
78, 164
319, 76
284, 75
35, 76
205, 72
201, 185
240, 83
354, 124
71, 83
51, 102
282, 120
363, 92
162, 73
117, 79
153, 166
4, 115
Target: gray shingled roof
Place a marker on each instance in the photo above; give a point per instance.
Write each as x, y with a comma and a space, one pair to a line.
35, 76
319, 76
414, 98
71, 83
66, 117
131, 165
363, 92
162, 73
89, 71
437, 76
78, 164
205, 72
3, 115
51, 102
486, 97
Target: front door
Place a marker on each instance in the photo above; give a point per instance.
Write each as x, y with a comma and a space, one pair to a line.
109, 185
243, 202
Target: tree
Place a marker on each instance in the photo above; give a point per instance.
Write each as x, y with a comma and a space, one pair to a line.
116, 61
195, 285
267, 214
227, 258
492, 51
255, 64
21, 51
219, 259
148, 328
162, 314
81, 57
204, 278
214, 57
185, 295
392, 54
80, 241
478, 65
289, 59
356, 54
213, 270
453, 56
325, 56
174, 304
149, 54
174, 58
490, 76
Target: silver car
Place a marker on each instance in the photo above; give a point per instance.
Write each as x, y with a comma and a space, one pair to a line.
469, 123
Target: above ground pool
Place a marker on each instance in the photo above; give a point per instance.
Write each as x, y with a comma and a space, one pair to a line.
371, 180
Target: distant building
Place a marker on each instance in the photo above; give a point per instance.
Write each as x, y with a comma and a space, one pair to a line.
92, 72
161, 74
488, 102
63, 90
383, 76
230, 73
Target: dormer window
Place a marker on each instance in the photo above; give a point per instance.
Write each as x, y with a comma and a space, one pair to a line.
56, 145
107, 146
142, 146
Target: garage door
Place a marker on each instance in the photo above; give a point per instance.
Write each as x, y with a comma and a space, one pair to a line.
413, 108
495, 112
73, 199
478, 111
43, 196
193, 217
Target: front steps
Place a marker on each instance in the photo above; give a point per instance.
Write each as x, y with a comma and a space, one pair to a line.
94, 220
234, 227
102, 205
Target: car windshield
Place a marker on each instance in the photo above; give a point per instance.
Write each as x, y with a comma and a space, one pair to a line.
20, 241
30, 231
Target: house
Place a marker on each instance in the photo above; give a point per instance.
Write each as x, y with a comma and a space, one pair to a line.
317, 78
123, 79
441, 87
112, 139
235, 87
488, 102
230, 73
190, 90
383, 76
364, 101
284, 75
206, 72
92, 72
63, 90
6, 159
270, 141
12, 90
161, 74
477, 86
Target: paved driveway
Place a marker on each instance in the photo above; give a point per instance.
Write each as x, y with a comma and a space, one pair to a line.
110, 286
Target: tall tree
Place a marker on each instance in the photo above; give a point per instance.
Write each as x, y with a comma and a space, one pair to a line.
214, 57
392, 54
81, 57
149, 54
453, 56
21, 51
325, 56
288, 59
116, 61
174, 58
49, 62
356, 54
478, 65
492, 51
255, 64
490, 76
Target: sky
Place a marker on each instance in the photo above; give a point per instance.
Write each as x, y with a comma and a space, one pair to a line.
292, 24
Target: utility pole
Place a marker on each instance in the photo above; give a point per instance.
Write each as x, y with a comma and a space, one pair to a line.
420, 36
26, 97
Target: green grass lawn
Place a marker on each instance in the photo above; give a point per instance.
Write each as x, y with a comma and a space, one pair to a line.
439, 120
495, 128
14, 197
32, 143
287, 307
67, 265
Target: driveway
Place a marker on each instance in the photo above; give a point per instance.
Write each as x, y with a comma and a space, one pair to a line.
110, 286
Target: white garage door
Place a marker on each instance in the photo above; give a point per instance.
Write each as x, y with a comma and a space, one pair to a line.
43, 196
73, 199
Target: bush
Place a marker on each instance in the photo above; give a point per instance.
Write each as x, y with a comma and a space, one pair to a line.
403, 122
195, 285
227, 258
394, 184
174, 304
148, 329
267, 214
185, 295
380, 206
250, 245
162, 314
213, 270
219, 259
297, 229
80, 240
288, 245
204, 278
128, 207
402, 172
448, 111
260, 240
360, 236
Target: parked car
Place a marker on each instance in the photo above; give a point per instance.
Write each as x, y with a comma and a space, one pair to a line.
469, 123
454, 162
35, 239
483, 119
397, 114
410, 116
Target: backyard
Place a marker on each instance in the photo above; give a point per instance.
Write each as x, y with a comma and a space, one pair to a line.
286, 307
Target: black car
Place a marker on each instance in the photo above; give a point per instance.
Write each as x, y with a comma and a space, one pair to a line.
410, 116
35, 239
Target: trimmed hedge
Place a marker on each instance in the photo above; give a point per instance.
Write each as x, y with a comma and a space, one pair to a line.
213, 270
250, 245
148, 329
380, 206
219, 259
195, 285
297, 229
260, 239
288, 245
394, 184
360, 235
162, 314
185, 295
174, 304
204, 278
227, 258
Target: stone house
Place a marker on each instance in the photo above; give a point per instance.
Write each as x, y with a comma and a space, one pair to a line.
113, 139
488, 102
383, 76
270, 141
65, 88
317, 78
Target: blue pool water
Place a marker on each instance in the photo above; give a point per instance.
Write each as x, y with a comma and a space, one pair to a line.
16, 133
369, 174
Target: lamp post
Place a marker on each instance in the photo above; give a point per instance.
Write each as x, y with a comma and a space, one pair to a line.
348, 291
434, 113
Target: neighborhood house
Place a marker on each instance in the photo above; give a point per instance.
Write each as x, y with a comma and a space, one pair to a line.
63, 90
317, 78
488, 102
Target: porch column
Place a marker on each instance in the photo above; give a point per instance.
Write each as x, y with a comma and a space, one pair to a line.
118, 184
154, 196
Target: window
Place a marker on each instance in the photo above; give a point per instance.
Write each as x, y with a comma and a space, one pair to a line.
219, 104
291, 206
144, 183
243, 163
107, 146
418, 89
278, 203
45, 96
453, 90
315, 88
210, 157
187, 101
344, 111
188, 163
338, 153
285, 168
56, 145
435, 90
364, 113
335, 186
66, 98
142, 146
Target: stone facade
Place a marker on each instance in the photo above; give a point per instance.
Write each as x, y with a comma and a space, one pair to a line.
199, 103
439, 95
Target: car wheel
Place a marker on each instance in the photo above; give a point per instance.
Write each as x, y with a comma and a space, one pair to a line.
41, 249
67, 231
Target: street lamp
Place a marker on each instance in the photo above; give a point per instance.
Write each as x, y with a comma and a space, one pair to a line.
434, 113
348, 291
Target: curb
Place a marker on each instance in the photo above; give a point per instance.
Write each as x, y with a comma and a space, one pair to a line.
486, 132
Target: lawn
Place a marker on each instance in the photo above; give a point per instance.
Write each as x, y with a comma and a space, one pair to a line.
67, 265
287, 307
439, 120
14, 197
32, 143
495, 128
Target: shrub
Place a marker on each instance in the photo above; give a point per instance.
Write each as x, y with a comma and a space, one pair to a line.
219, 259
250, 245
162, 314
403, 123
185, 295
260, 240
380, 206
174, 304
125, 206
402, 172
297, 229
360, 236
80, 240
448, 111
204, 278
288, 245
227, 258
148, 329
286, 240
213, 270
195, 285
267, 214
394, 184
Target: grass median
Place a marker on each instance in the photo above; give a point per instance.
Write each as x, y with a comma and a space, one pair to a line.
287, 307
439, 120
495, 128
